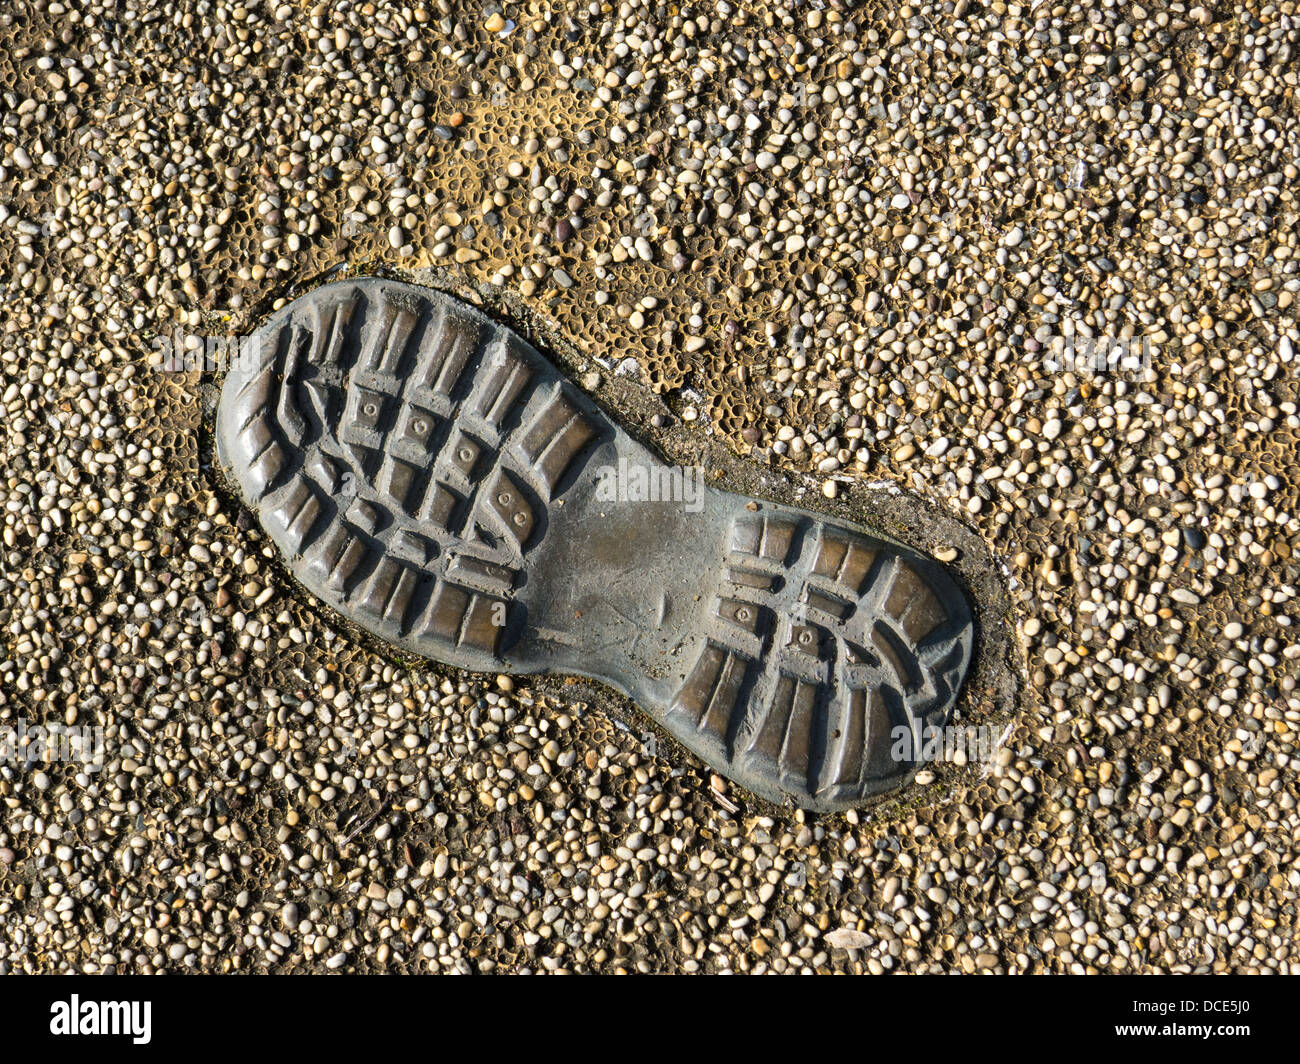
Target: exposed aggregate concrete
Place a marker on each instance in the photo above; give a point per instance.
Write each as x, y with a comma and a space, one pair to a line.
820, 248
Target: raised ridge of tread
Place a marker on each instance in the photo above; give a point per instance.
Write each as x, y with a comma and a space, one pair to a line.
387, 349
266, 469
750, 578
350, 566
481, 630
402, 483
289, 418
693, 698
785, 737
725, 699
439, 506
379, 588
466, 568
834, 607
553, 439
913, 604
743, 615
844, 765
844, 561
511, 512
500, 387
765, 538
455, 339
332, 321
412, 547
296, 511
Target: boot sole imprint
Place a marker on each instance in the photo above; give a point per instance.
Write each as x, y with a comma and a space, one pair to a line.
432, 477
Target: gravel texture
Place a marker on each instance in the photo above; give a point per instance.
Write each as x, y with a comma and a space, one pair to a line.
858, 249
